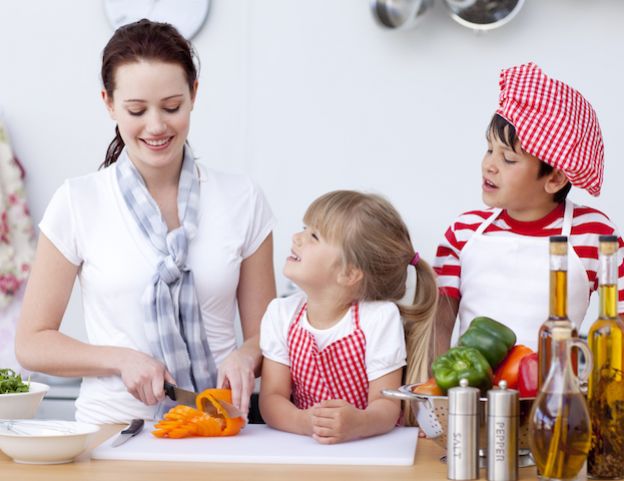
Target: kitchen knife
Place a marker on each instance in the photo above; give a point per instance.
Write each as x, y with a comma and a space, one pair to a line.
188, 398
133, 429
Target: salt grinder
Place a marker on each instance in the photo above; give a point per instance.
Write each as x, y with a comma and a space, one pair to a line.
502, 422
462, 450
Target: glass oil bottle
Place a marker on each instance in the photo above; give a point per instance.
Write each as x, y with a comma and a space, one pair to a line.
606, 382
558, 313
559, 424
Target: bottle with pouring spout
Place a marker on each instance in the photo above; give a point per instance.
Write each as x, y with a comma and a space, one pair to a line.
558, 313
606, 382
559, 424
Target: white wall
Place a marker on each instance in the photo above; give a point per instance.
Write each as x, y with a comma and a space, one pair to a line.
312, 96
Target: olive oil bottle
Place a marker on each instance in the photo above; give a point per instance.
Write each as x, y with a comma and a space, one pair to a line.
558, 314
606, 382
559, 424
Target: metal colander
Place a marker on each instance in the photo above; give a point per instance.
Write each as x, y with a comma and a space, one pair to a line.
431, 413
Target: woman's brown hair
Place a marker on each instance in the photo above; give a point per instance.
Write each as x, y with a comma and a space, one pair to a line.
144, 40
374, 239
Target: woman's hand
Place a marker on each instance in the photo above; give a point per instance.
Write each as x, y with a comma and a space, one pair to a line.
143, 376
237, 372
336, 421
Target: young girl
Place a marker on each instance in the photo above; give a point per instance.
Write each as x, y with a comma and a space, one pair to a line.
330, 350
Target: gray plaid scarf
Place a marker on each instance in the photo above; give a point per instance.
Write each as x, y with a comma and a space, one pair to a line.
173, 325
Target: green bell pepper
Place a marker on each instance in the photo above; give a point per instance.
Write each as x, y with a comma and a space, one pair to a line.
462, 363
490, 337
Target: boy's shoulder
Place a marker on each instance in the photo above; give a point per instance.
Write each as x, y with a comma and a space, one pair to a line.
580, 210
589, 220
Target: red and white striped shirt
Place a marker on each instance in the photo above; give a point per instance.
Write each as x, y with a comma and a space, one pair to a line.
588, 225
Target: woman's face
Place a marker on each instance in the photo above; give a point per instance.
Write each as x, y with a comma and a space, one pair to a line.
152, 104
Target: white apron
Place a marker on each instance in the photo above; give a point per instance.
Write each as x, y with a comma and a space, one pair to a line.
507, 279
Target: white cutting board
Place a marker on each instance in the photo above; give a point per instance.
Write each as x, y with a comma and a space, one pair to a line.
258, 443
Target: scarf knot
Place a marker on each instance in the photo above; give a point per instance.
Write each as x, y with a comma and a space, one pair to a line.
173, 265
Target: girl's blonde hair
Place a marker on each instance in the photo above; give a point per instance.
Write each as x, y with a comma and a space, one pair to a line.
374, 239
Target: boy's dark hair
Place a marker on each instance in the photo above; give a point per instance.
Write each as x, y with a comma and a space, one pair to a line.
506, 133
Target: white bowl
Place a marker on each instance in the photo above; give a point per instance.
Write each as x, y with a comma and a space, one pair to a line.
43, 441
22, 405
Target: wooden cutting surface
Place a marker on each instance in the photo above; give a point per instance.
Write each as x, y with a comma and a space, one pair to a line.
427, 466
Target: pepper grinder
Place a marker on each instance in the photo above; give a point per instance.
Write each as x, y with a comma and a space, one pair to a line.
462, 450
502, 422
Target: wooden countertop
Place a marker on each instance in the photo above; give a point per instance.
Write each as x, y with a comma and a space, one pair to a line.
427, 466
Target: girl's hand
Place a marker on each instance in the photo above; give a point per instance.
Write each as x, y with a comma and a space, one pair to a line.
237, 372
335, 421
144, 376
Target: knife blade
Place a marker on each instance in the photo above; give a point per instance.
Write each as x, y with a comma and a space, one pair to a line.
135, 427
188, 398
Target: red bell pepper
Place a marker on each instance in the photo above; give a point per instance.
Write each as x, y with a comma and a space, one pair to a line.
527, 376
508, 369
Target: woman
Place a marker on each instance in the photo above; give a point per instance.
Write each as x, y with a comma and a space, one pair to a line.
164, 249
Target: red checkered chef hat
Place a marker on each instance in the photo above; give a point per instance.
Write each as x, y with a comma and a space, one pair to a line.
554, 123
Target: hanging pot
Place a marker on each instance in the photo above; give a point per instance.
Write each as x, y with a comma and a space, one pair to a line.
483, 14
399, 14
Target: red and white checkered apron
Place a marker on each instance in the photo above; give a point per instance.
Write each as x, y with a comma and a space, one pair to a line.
555, 123
336, 372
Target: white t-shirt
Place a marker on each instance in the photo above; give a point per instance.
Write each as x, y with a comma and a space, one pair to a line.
89, 223
380, 321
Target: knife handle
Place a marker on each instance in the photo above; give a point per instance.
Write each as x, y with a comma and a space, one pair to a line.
170, 390
135, 426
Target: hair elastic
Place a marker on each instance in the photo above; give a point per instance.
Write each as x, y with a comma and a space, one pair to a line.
415, 259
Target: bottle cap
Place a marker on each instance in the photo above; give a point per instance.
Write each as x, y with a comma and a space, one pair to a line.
608, 244
558, 238
463, 400
503, 402
558, 245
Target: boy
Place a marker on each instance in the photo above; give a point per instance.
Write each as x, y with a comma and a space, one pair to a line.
493, 262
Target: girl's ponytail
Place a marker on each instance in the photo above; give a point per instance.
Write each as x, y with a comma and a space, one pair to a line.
418, 319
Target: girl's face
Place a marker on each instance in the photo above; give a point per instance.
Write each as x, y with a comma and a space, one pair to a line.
152, 104
511, 182
314, 263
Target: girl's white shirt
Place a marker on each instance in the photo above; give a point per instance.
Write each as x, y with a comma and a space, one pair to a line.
89, 223
380, 321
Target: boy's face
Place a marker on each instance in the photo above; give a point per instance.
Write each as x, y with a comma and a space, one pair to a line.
511, 182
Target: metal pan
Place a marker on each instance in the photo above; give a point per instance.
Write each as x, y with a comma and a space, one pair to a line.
399, 14
483, 14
